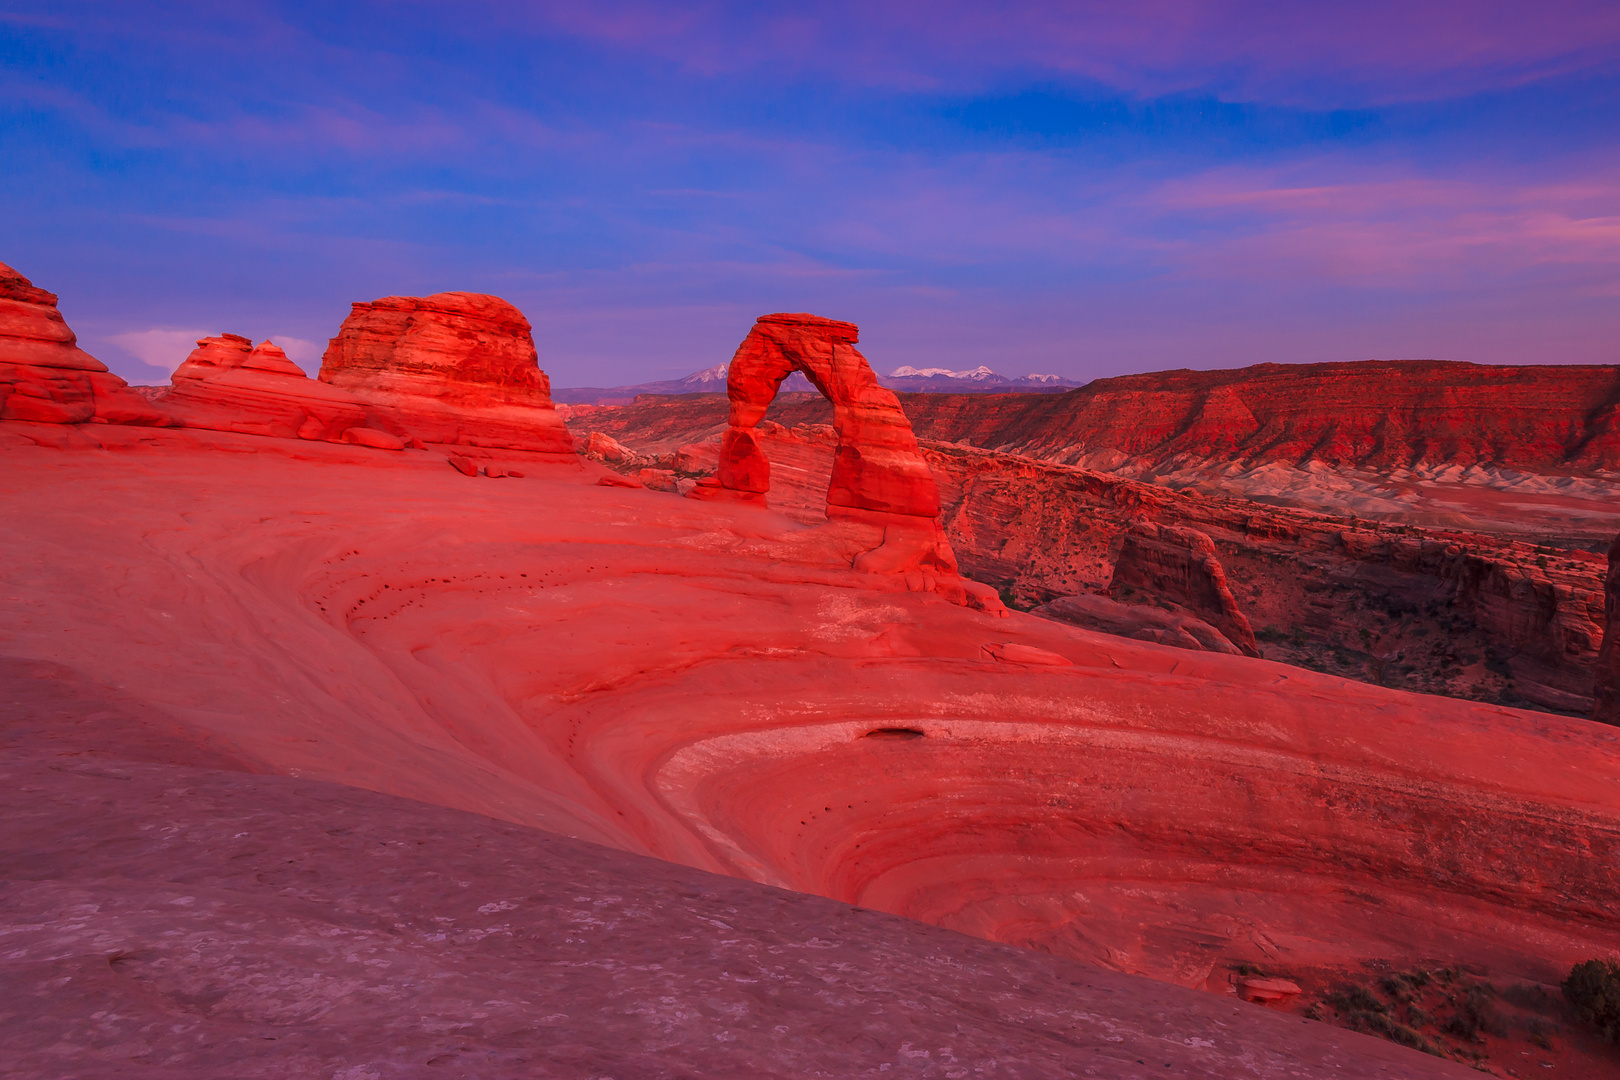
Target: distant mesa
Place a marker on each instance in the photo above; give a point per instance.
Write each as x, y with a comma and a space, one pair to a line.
45, 377
1371, 414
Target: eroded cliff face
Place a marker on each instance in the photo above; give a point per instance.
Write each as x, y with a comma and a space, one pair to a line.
449, 368
45, 377
1180, 564
1444, 611
1372, 414
1607, 707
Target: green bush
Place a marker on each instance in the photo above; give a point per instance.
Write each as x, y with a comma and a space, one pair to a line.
1593, 991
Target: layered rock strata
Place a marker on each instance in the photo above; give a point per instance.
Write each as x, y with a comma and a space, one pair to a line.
45, 377
1607, 691
1369, 414
1180, 564
229, 384
1442, 610
448, 368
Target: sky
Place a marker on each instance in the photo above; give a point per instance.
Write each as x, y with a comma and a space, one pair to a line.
1083, 188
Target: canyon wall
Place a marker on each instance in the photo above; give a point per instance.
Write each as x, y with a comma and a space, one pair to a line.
1369, 414
1607, 706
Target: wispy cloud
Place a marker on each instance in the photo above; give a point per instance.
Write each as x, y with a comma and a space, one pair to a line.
164, 347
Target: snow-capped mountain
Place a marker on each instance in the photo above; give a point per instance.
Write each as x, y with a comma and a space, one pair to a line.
906, 378
975, 380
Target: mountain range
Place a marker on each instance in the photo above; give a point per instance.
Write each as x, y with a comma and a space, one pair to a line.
915, 380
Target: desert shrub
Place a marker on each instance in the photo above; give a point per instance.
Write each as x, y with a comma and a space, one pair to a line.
1532, 997
1541, 1032
1377, 1023
1593, 991
1404, 986
1350, 1000
1476, 1014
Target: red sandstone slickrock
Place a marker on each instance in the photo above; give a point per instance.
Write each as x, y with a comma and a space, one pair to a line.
453, 367
45, 377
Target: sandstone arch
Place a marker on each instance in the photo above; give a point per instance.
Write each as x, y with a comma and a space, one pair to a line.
879, 477
877, 468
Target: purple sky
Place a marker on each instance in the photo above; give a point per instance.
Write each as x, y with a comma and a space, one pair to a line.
1082, 188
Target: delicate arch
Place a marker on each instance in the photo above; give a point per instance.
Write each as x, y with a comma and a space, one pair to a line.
877, 467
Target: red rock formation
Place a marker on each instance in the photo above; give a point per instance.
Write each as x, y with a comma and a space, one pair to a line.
1180, 564
699, 683
1373, 414
1607, 691
45, 377
448, 368
876, 466
228, 384
878, 478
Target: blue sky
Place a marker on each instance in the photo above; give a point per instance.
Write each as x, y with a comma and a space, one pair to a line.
1084, 188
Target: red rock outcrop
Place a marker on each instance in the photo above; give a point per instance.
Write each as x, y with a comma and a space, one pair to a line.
1180, 565
45, 377
876, 466
456, 368
228, 384
1371, 414
878, 478
1607, 689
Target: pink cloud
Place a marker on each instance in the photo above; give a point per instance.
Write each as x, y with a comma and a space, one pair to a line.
1368, 52
1379, 230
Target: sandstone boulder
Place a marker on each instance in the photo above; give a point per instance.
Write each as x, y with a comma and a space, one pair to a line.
455, 368
1180, 565
228, 384
45, 377
377, 440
